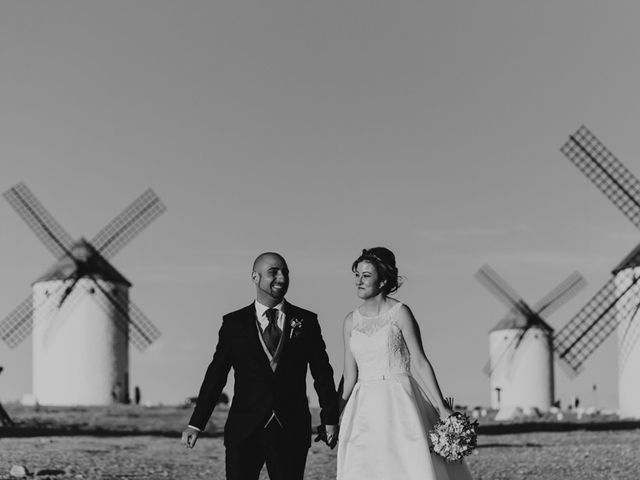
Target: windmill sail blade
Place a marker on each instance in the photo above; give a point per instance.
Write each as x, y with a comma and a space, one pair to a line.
18, 324
490, 279
605, 171
131, 320
144, 331
560, 295
490, 366
520, 336
133, 219
47, 229
521, 340
67, 291
487, 370
591, 326
63, 301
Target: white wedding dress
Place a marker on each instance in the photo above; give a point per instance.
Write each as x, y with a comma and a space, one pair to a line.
384, 426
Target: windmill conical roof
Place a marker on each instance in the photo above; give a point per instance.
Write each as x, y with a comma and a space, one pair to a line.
83, 261
515, 320
630, 261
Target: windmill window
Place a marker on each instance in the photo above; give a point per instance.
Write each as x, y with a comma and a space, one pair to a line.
47, 293
92, 290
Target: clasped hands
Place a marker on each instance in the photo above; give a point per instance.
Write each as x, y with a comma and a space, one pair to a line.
328, 434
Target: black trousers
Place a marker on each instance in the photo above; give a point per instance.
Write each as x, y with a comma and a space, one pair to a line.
285, 457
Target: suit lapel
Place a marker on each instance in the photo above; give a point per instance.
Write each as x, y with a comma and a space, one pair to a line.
286, 327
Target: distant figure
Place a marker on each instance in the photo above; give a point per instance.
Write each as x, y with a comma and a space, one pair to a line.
137, 395
573, 403
116, 393
4, 416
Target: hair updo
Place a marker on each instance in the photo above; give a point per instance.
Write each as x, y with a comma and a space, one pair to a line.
384, 261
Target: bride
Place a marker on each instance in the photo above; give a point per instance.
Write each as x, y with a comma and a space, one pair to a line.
391, 398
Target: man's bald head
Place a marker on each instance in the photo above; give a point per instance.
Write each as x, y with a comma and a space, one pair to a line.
266, 257
271, 276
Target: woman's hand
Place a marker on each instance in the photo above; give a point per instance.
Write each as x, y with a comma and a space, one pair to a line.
446, 408
445, 412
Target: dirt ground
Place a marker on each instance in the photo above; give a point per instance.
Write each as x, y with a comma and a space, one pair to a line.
578, 455
130, 443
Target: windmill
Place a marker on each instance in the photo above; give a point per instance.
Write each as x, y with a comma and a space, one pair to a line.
79, 311
520, 366
616, 304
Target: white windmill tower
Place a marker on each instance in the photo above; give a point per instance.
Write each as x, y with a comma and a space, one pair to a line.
520, 367
79, 312
616, 304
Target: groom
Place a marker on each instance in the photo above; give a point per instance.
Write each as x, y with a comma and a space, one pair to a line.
269, 345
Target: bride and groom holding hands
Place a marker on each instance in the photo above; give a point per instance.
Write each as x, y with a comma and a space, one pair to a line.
381, 418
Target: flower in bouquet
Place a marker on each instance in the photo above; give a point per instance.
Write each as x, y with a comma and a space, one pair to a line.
454, 437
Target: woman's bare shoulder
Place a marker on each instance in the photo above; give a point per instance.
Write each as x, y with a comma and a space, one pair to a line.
348, 320
405, 315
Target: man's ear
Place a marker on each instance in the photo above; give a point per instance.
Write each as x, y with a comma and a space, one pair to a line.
255, 277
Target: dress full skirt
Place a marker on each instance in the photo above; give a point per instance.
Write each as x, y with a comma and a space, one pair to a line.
384, 427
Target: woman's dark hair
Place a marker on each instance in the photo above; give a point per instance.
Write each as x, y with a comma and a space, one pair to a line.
384, 261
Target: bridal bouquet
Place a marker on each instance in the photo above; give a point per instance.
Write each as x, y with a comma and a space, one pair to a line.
454, 437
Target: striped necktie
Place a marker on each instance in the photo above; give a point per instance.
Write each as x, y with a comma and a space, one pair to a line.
271, 333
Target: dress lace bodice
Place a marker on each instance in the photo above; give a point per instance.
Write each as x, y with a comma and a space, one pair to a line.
378, 346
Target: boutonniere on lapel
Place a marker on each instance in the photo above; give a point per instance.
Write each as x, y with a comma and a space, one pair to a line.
295, 324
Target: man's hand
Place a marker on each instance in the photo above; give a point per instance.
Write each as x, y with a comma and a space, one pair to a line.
190, 437
332, 435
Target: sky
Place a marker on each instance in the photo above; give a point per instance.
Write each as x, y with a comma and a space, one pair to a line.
317, 129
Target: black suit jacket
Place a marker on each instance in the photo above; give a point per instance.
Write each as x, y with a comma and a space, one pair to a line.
259, 390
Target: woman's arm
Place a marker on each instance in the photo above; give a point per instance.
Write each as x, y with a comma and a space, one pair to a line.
350, 373
422, 367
